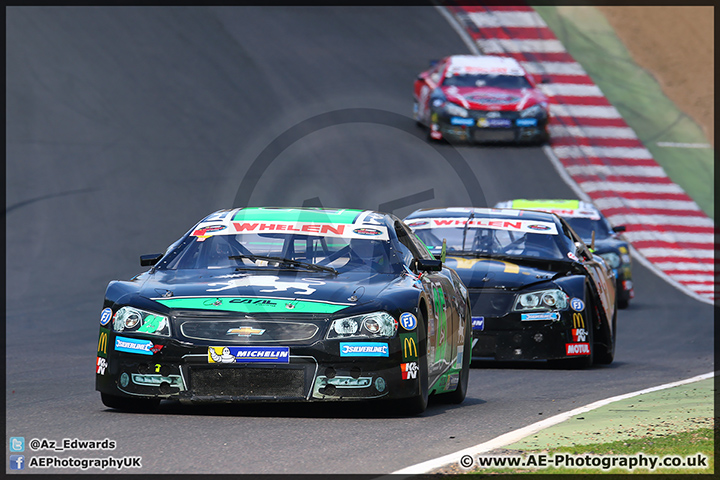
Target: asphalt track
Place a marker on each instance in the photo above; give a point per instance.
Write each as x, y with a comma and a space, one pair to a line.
126, 125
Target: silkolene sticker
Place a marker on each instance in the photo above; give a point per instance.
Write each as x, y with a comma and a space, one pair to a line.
513, 225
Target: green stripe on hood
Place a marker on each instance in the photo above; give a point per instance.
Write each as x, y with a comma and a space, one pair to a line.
251, 304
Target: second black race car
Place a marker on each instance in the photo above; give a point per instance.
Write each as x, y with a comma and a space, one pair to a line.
594, 229
537, 291
278, 304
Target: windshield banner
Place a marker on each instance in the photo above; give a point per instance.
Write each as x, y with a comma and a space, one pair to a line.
513, 225
337, 230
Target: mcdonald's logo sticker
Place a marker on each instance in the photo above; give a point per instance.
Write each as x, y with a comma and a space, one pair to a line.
578, 320
408, 343
102, 342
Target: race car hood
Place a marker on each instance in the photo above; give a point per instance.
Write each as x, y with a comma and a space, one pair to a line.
306, 292
490, 98
502, 274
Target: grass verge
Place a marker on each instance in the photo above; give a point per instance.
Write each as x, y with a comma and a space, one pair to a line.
635, 93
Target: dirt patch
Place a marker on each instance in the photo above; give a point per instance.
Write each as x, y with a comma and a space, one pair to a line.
675, 44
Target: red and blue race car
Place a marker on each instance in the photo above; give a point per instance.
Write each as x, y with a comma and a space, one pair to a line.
480, 98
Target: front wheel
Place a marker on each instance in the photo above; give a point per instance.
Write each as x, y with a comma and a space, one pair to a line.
458, 395
605, 355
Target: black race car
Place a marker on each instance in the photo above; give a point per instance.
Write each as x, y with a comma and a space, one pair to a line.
537, 291
277, 304
585, 219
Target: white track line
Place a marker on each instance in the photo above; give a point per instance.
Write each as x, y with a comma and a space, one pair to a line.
514, 436
459, 29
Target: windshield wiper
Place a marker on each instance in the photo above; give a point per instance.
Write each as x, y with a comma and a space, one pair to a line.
288, 261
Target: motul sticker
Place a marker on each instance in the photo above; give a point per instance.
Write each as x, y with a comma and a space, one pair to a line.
577, 349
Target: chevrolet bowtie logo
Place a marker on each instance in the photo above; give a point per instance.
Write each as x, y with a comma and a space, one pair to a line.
245, 331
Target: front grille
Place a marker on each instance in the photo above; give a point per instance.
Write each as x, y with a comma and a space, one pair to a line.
493, 114
493, 135
248, 382
244, 330
490, 303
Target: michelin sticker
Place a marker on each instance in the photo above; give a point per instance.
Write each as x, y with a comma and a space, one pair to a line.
408, 321
248, 354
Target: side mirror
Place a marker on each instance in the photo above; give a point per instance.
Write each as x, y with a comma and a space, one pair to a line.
428, 265
545, 80
581, 251
150, 260
619, 228
433, 63
443, 252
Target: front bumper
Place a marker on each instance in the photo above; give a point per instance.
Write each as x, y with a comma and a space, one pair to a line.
480, 129
510, 338
311, 373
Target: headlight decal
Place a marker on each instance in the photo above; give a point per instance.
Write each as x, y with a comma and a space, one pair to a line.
612, 259
543, 300
130, 319
455, 110
534, 111
369, 325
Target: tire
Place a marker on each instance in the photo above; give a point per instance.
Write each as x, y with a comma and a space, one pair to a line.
458, 395
130, 404
418, 404
623, 298
604, 356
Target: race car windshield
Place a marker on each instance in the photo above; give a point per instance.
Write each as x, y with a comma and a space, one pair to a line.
249, 251
585, 226
487, 80
488, 242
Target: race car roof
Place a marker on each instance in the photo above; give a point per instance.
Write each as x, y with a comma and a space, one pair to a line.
468, 64
464, 212
564, 208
